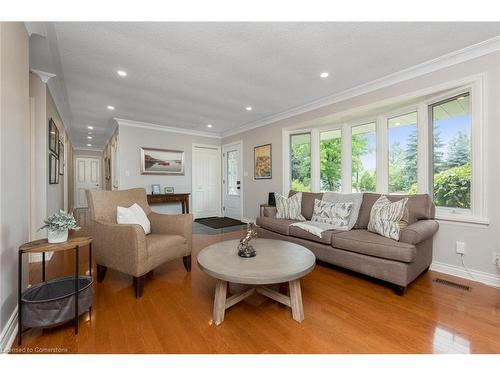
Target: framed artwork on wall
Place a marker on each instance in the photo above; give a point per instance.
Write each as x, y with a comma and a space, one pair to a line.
53, 137
159, 161
53, 169
61, 159
262, 162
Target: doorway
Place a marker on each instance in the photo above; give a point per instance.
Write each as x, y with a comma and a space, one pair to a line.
206, 176
231, 180
87, 176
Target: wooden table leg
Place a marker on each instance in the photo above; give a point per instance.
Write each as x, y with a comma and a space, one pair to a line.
219, 301
296, 300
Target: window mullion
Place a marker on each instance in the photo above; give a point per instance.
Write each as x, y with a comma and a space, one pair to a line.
382, 156
424, 140
315, 161
346, 158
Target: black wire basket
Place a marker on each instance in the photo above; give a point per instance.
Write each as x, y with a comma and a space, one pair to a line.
53, 302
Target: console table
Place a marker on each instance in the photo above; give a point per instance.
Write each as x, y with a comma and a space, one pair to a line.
182, 198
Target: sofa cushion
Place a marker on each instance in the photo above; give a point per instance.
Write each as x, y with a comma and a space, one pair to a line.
420, 207
388, 218
368, 243
275, 225
326, 236
307, 202
289, 208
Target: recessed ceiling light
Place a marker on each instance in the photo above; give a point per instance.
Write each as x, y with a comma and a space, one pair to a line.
209, 125
90, 127
121, 73
89, 137
248, 108
110, 107
324, 75
89, 145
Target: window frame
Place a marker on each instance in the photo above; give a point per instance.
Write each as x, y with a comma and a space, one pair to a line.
381, 112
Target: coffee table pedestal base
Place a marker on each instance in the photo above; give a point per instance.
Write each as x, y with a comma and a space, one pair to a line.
222, 302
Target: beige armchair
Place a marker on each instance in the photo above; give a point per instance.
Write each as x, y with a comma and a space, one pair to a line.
125, 247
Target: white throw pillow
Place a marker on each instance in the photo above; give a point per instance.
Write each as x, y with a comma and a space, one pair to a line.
387, 218
133, 215
335, 214
355, 198
289, 208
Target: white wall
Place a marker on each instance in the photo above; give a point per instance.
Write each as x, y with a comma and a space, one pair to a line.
130, 139
481, 240
14, 138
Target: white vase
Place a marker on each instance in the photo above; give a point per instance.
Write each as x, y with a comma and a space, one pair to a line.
57, 236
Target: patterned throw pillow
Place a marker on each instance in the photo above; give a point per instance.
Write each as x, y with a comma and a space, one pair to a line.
388, 218
336, 214
289, 208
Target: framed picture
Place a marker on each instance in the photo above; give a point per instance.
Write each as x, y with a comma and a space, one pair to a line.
155, 189
61, 159
158, 161
262, 162
53, 137
169, 190
53, 169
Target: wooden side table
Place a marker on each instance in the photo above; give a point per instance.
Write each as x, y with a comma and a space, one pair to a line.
42, 246
182, 198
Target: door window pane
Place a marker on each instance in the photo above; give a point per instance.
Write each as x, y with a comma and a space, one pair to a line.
364, 157
402, 134
300, 162
232, 173
331, 160
451, 152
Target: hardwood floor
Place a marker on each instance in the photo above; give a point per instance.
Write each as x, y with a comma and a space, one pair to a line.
343, 314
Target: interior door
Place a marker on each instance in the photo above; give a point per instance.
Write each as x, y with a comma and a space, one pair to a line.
88, 176
206, 181
232, 187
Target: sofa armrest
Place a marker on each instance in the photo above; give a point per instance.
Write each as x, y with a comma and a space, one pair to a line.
267, 210
419, 231
181, 225
120, 246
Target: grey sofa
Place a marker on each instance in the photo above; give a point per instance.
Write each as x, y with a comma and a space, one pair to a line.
396, 262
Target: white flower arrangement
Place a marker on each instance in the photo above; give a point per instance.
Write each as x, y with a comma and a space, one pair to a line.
60, 222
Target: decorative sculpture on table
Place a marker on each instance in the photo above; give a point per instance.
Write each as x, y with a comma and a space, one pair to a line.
245, 250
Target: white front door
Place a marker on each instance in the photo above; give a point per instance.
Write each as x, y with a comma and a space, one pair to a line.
87, 176
206, 181
231, 183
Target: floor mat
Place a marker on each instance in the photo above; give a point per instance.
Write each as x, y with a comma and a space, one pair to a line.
219, 222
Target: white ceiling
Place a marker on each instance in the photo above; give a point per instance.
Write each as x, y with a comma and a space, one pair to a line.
187, 75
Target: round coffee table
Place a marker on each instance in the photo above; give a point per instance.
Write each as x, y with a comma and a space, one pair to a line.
276, 262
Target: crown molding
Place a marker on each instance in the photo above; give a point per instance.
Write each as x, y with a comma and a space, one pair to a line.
44, 76
171, 129
453, 58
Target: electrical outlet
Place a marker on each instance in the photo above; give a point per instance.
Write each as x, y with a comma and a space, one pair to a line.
496, 259
460, 247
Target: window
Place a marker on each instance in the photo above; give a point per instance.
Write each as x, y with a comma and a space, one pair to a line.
232, 172
451, 152
364, 159
300, 162
330, 148
403, 154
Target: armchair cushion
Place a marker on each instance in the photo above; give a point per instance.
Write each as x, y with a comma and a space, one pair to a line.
181, 225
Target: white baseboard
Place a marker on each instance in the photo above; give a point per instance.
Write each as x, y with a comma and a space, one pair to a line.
482, 277
9, 333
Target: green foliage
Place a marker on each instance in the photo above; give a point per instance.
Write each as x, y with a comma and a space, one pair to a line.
452, 187
300, 160
331, 165
60, 221
458, 151
361, 180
